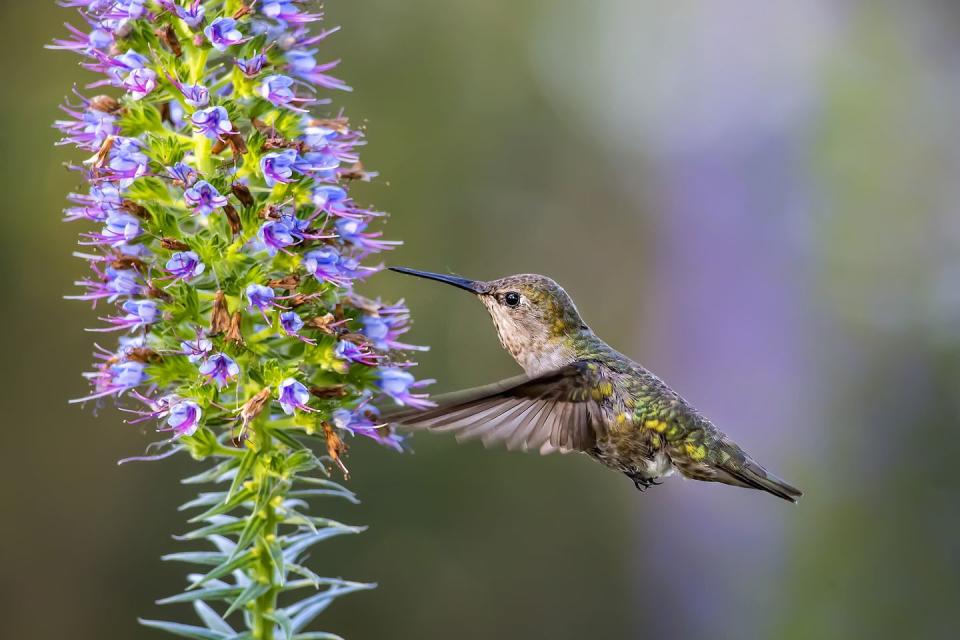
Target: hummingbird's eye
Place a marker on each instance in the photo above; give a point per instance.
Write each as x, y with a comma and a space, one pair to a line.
512, 299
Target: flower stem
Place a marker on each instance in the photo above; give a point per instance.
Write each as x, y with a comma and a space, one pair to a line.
266, 571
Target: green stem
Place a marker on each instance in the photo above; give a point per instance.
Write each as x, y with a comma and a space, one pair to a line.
265, 571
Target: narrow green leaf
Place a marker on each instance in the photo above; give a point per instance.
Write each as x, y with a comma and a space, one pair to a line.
276, 555
214, 474
254, 526
228, 525
296, 545
183, 630
224, 507
349, 496
316, 635
226, 594
212, 558
212, 619
224, 569
203, 500
287, 439
251, 593
246, 464
306, 610
284, 621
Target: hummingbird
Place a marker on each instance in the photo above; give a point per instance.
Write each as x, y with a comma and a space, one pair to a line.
578, 394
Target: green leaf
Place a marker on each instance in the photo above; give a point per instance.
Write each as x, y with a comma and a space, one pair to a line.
226, 594
306, 610
205, 499
211, 618
195, 557
214, 474
183, 630
287, 439
349, 496
228, 525
246, 464
225, 568
224, 507
254, 525
284, 621
296, 545
316, 635
253, 591
276, 556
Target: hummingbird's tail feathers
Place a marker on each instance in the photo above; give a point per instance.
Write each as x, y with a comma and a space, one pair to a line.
756, 477
723, 461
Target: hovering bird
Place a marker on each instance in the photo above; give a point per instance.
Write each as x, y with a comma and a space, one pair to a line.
579, 394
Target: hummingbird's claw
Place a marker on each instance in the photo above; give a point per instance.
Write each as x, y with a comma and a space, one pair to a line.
643, 483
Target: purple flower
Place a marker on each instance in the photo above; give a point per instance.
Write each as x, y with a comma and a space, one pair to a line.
184, 265
252, 66
223, 33
127, 160
326, 265
120, 229
140, 82
219, 369
98, 40
278, 167
89, 130
195, 95
197, 349
287, 11
316, 162
203, 198
109, 284
359, 424
102, 202
304, 65
293, 395
352, 230
291, 324
261, 298
397, 383
191, 13
183, 418
277, 235
351, 352
330, 198
213, 122
384, 330
114, 379
277, 89
138, 313
182, 174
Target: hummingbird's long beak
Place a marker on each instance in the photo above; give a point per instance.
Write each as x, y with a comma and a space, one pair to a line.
473, 286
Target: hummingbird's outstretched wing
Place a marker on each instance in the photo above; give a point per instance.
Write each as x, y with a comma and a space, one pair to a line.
555, 411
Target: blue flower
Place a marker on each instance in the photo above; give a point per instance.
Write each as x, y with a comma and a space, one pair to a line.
251, 66
203, 198
184, 265
219, 369
278, 167
183, 418
223, 33
397, 383
293, 395
278, 89
213, 122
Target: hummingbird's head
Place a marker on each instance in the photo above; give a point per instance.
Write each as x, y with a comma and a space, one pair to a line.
535, 318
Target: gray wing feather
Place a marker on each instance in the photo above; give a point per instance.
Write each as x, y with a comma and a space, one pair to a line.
551, 412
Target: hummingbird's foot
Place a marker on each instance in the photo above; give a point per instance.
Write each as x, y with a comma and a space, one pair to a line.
643, 483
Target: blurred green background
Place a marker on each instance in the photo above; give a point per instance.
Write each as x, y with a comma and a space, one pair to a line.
758, 200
